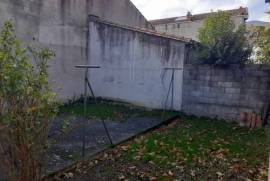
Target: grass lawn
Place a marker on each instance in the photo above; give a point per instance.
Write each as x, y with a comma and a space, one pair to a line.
188, 149
113, 111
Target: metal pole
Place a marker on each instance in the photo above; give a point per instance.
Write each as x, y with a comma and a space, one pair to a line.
167, 97
267, 113
87, 83
84, 111
104, 125
107, 132
269, 169
172, 91
92, 92
172, 88
166, 100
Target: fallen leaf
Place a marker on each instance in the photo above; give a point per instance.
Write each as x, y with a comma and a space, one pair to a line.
122, 177
171, 173
68, 175
125, 148
192, 173
219, 174
132, 168
153, 178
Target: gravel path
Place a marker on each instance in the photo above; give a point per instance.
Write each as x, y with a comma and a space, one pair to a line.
68, 147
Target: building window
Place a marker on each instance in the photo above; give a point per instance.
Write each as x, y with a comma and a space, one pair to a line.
166, 27
178, 25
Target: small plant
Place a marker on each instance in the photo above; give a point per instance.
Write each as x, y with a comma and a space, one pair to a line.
27, 103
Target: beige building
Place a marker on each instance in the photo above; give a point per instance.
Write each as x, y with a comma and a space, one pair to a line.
187, 26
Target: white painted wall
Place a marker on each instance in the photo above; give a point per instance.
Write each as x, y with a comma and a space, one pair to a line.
132, 66
62, 25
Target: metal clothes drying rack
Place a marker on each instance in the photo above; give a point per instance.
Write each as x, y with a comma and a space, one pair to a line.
88, 84
171, 87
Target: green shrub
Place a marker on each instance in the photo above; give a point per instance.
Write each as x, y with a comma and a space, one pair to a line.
27, 103
261, 38
222, 42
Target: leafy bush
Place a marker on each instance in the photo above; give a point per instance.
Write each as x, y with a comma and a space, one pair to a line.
261, 38
27, 103
222, 42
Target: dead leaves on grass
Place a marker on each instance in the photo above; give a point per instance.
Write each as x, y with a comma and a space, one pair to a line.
150, 163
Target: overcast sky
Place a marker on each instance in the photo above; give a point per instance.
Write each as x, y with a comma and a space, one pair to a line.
155, 9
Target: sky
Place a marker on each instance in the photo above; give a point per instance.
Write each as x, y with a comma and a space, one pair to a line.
156, 9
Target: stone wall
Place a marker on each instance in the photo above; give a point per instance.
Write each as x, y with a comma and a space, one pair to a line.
133, 65
225, 91
62, 25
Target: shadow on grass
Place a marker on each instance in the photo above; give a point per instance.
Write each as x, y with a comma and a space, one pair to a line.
110, 110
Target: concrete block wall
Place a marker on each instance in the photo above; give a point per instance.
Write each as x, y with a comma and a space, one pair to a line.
225, 91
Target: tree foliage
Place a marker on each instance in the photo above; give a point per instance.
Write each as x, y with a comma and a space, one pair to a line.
26, 106
222, 42
261, 39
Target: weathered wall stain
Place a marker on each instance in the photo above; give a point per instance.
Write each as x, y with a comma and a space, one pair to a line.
63, 26
132, 64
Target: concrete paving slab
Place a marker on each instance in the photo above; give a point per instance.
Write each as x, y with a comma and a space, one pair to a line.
68, 148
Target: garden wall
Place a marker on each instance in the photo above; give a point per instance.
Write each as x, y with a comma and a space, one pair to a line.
62, 25
225, 91
133, 64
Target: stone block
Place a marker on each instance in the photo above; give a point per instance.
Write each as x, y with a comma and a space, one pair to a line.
264, 86
250, 84
225, 84
204, 72
232, 90
265, 92
252, 67
259, 73
204, 89
196, 93
218, 90
204, 77
265, 67
218, 78
265, 79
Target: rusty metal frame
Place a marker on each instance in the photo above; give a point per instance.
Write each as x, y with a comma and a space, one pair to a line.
88, 84
171, 89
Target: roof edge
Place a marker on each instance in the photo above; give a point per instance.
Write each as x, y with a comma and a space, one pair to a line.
242, 11
94, 18
135, 7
